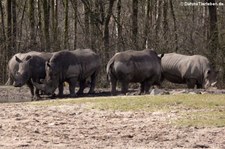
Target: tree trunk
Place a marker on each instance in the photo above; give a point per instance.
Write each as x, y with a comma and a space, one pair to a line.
14, 27
3, 62
135, 24
174, 26
146, 28
213, 37
106, 28
9, 29
74, 4
2, 22
53, 27
20, 30
66, 36
165, 26
86, 23
55, 46
158, 21
46, 25
32, 22
40, 25
119, 28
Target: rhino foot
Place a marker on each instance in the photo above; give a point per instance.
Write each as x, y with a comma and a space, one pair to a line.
91, 92
35, 98
72, 95
53, 96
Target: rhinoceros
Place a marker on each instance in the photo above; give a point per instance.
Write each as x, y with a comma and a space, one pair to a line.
72, 67
191, 70
31, 69
134, 66
13, 65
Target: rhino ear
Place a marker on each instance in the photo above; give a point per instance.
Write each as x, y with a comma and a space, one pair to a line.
160, 55
208, 72
18, 60
28, 58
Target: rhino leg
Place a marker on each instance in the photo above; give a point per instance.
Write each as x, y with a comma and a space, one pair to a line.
72, 84
199, 85
191, 83
30, 85
113, 83
142, 87
60, 88
149, 82
37, 95
82, 86
124, 88
147, 86
93, 81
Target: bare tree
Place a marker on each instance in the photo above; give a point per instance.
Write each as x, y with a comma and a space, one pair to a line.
14, 27
32, 22
3, 37
174, 26
40, 24
66, 36
46, 24
135, 24
9, 28
165, 26
120, 42
74, 4
106, 28
87, 13
214, 37
3, 46
147, 24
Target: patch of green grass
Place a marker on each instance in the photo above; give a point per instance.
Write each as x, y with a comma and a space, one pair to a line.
147, 102
202, 119
165, 102
192, 110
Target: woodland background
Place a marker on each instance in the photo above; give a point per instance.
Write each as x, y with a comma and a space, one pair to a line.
109, 26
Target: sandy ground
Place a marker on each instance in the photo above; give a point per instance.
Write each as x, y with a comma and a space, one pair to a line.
23, 125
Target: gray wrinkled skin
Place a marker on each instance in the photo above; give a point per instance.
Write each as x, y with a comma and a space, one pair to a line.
31, 68
13, 65
193, 70
134, 66
72, 67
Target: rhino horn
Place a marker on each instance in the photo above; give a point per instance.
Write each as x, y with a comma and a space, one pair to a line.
213, 84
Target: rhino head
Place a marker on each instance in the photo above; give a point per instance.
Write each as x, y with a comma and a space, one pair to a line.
51, 81
210, 78
24, 72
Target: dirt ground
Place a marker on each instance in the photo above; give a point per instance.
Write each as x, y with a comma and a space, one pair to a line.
23, 125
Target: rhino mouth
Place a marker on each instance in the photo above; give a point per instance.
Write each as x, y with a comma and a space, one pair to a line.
17, 84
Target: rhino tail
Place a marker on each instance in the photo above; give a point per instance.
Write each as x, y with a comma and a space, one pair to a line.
109, 68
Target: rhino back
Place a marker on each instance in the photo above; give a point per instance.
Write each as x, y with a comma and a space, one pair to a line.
76, 63
176, 67
136, 66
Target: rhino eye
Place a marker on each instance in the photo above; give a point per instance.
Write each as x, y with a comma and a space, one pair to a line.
208, 72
